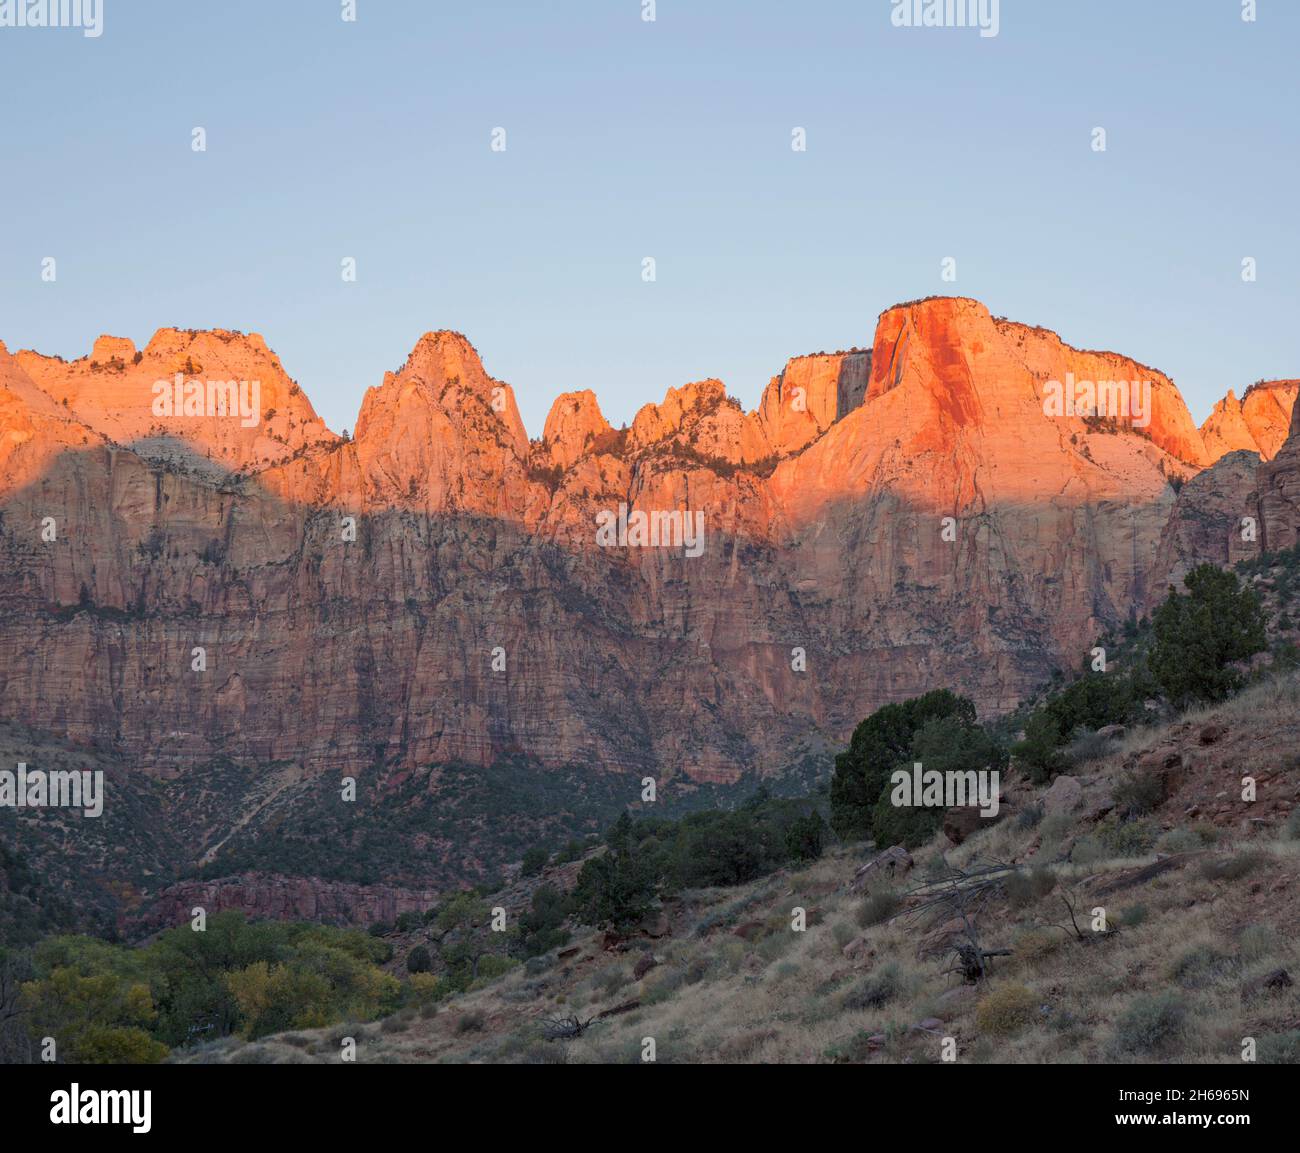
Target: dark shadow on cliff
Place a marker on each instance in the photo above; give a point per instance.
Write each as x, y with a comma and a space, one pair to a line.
373, 658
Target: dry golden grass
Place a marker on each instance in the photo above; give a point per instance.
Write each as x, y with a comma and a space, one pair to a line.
1171, 984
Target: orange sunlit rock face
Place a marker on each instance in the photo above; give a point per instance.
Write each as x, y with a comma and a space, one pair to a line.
1257, 423
912, 516
117, 391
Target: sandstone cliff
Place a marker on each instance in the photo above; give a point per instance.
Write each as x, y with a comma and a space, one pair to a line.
1258, 422
433, 593
1279, 493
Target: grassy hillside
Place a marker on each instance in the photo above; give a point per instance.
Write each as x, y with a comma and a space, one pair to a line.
1198, 952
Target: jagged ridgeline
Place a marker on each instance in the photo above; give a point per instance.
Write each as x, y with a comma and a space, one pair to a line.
232, 616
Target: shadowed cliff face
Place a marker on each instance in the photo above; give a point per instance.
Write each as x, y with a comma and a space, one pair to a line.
1279, 493
433, 590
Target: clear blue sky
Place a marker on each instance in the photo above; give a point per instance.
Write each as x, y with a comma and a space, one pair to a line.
671, 140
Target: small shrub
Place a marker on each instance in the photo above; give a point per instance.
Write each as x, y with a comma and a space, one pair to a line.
1233, 868
1291, 830
1153, 1023
1198, 966
876, 991
842, 933
534, 862
1006, 1010
1279, 1048
491, 966
1054, 829
1138, 794
1180, 841
877, 908
543, 1054
1086, 748
698, 969
424, 988
1115, 838
1035, 944
418, 960
852, 1051
744, 1045
1132, 915
662, 984
1029, 817
1089, 851
471, 1022
1026, 888
1257, 942
774, 944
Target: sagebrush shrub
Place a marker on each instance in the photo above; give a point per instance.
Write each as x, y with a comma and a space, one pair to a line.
878, 907
1006, 1010
1152, 1024
877, 990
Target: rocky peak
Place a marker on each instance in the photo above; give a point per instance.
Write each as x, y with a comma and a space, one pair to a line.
443, 372
573, 426
34, 429
212, 398
981, 368
1258, 422
681, 411
441, 357
441, 434
109, 348
810, 395
326, 651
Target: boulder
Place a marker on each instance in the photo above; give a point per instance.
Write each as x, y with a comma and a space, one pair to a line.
1271, 982
1166, 763
1064, 796
966, 821
1212, 734
958, 997
859, 951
